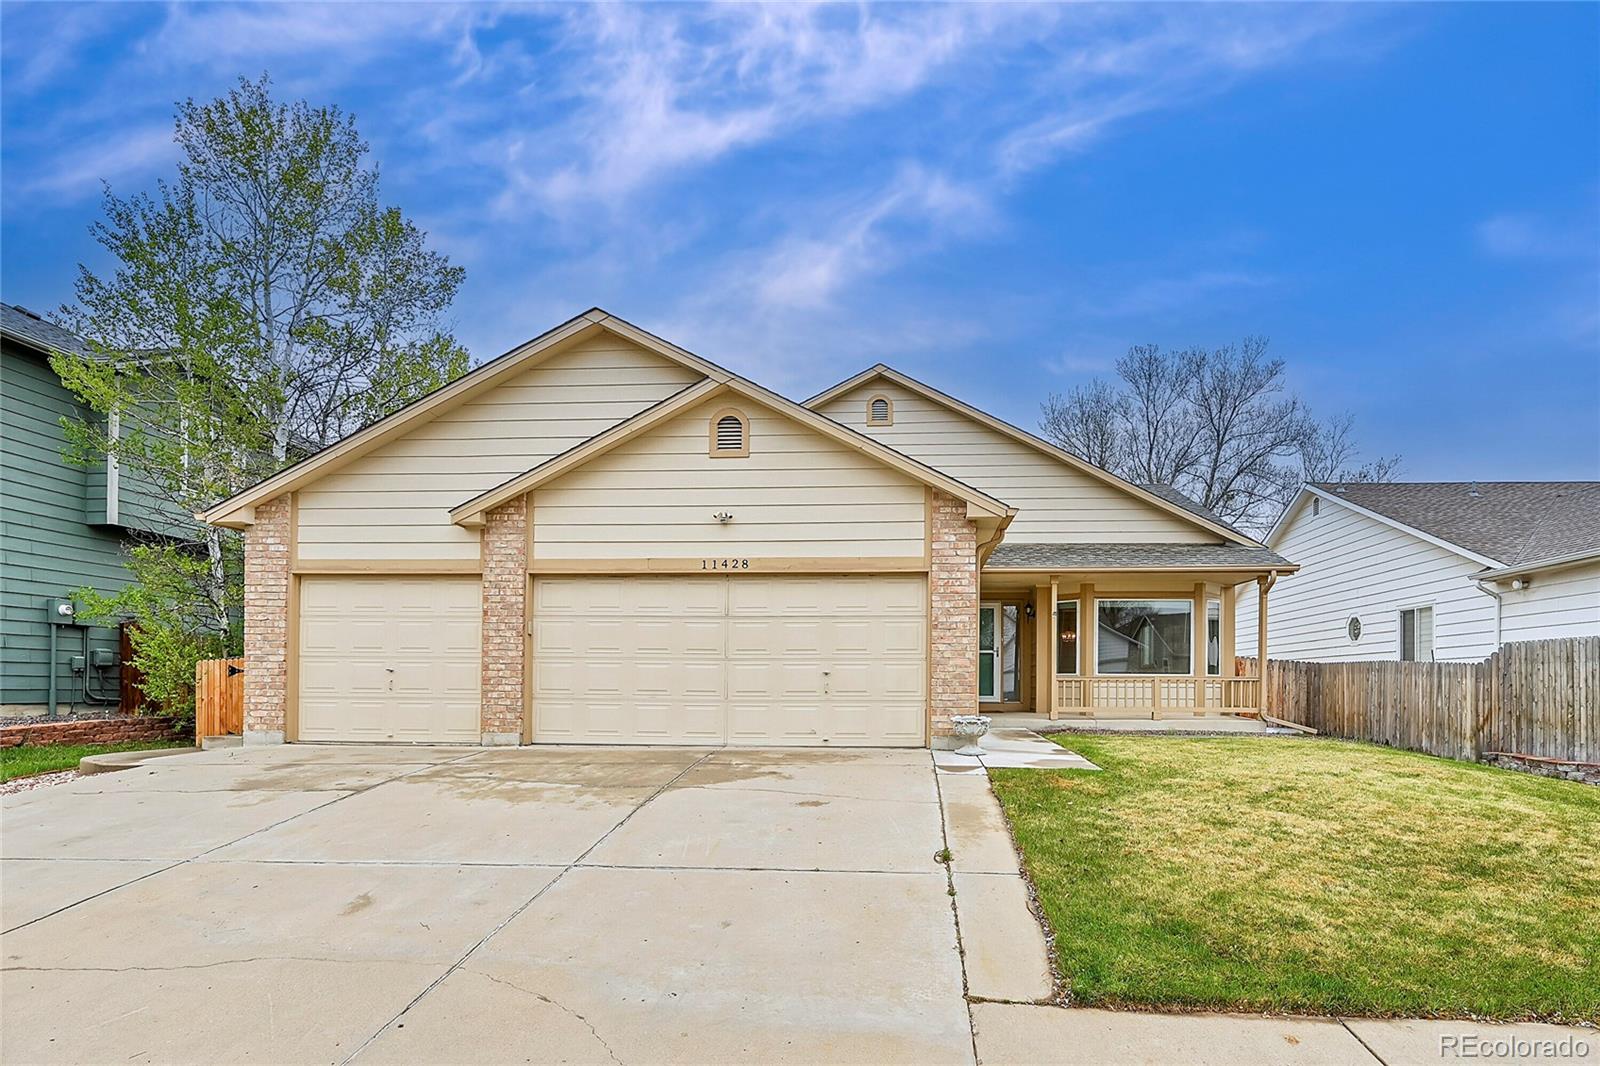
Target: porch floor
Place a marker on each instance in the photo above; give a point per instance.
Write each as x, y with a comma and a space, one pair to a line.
1207, 724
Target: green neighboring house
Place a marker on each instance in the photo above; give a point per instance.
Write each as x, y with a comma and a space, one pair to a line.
62, 527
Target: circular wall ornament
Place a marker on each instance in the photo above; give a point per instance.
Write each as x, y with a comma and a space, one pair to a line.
1352, 629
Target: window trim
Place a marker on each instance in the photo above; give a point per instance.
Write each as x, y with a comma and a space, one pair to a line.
1077, 645
1400, 631
887, 420
1206, 644
1134, 597
717, 417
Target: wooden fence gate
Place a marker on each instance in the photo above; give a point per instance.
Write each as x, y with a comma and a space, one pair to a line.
218, 698
1538, 697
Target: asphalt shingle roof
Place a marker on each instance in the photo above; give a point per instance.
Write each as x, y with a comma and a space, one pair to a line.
1515, 522
1173, 496
1129, 556
24, 325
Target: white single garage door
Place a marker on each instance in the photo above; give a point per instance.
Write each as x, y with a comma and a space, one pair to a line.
746, 660
390, 659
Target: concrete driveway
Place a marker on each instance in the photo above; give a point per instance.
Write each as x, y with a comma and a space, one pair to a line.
324, 904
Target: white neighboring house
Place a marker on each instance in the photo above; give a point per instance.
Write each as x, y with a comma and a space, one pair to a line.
1432, 570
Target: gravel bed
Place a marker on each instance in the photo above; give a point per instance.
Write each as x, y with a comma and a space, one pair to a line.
27, 784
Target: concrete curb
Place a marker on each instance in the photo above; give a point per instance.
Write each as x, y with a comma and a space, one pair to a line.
109, 761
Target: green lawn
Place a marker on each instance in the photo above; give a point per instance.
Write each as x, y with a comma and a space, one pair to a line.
1313, 876
32, 759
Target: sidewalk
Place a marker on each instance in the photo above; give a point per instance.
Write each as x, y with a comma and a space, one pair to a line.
1010, 986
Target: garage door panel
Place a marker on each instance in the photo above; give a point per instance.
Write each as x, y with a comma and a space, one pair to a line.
730, 659
389, 659
761, 722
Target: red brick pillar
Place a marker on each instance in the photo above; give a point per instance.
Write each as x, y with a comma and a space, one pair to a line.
505, 591
266, 623
953, 588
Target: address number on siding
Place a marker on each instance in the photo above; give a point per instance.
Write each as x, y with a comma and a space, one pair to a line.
724, 564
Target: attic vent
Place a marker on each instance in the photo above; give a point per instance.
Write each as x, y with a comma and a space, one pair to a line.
730, 435
880, 412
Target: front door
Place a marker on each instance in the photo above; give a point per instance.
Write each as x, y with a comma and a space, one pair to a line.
998, 674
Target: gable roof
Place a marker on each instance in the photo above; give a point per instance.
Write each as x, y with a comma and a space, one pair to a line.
1159, 497
25, 327
979, 504
238, 510
1498, 523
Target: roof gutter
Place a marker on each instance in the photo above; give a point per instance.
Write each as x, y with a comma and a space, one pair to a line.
1504, 572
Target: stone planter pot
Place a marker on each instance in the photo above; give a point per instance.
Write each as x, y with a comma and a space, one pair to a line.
968, 728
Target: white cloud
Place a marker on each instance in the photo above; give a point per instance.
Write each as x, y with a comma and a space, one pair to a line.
1162, 294
1529, 236
123, 158
806, 268
664, 90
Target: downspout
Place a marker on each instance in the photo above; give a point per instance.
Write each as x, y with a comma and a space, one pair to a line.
1499, 602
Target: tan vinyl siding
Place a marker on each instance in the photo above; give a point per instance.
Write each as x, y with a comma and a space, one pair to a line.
1056, 504
797, 495
393, 502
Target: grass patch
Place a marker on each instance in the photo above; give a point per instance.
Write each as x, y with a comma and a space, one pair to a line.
1313, 876
30, 759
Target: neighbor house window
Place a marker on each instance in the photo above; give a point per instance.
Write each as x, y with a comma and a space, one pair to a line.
1144, 636
1213, 637
730, 435
1416, 635
1067, 637
880, 411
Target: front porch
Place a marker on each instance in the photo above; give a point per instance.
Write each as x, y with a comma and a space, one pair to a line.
1137, 641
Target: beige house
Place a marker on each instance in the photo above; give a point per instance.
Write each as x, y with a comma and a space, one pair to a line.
602, 538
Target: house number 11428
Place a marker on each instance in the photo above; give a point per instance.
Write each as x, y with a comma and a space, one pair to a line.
724, 564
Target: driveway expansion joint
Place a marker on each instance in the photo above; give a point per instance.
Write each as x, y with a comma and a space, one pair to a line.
460, 963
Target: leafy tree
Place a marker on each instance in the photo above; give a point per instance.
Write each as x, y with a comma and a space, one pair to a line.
263, 305
1218, 425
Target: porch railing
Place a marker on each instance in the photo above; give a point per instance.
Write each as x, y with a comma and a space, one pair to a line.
1141, 696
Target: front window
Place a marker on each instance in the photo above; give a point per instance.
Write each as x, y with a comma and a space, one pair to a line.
1144, 637
1067, 637
1416, 635
1213, 638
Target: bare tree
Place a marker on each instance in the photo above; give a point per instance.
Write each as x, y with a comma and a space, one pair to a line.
1218, 425
1330, 454
1089, 423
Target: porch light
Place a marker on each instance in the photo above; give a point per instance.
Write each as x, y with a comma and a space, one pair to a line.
723, 516
1028, 610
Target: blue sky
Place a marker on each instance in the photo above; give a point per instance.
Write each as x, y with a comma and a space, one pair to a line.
999, 200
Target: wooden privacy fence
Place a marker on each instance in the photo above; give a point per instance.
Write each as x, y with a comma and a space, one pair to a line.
1539, 698
218, 698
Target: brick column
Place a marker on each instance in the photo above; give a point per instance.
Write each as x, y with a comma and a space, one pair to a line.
953, 588
505, 590
266, 623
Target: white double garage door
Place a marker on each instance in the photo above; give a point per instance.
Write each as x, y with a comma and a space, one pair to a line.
747, 660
